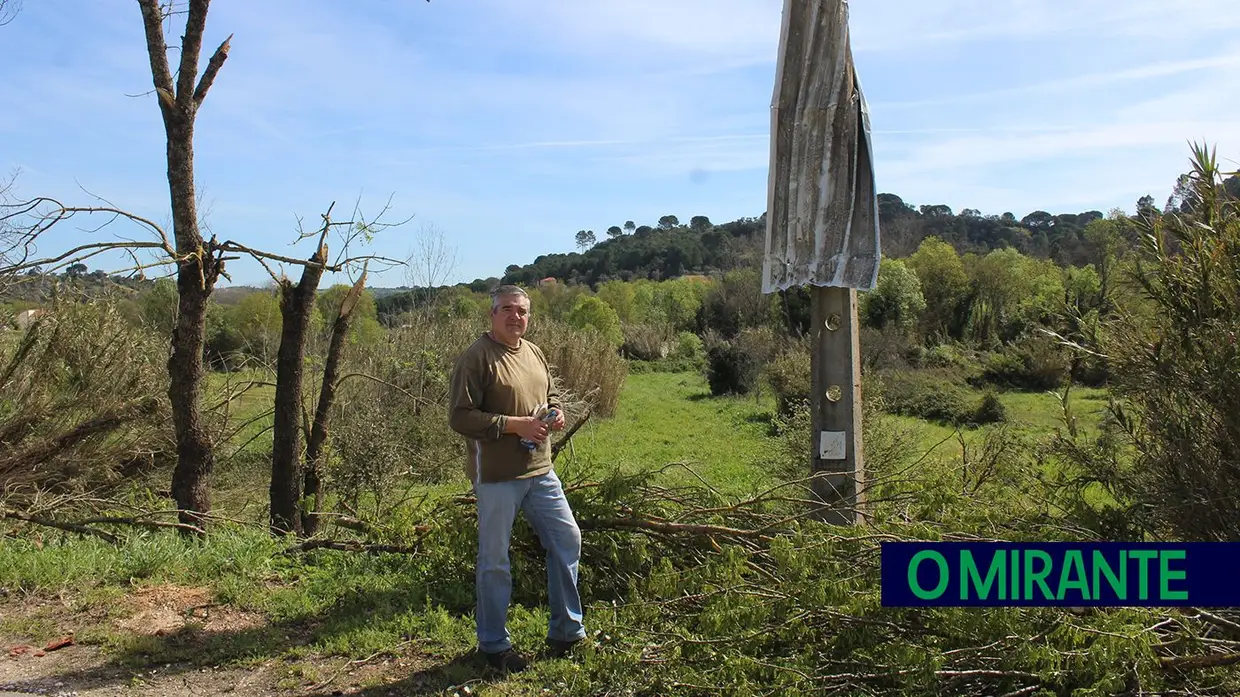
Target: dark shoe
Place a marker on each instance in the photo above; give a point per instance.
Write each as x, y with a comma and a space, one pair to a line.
508, 661
558, 648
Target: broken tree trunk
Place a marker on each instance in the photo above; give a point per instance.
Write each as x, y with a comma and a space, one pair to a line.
296, 306
316, 451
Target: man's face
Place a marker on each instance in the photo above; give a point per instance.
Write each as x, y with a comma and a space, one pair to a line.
511, 316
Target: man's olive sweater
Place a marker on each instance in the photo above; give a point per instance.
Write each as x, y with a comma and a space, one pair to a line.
491, 382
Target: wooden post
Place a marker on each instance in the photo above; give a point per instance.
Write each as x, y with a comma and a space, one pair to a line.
835, 365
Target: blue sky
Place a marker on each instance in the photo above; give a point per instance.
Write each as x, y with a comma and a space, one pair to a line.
508, 125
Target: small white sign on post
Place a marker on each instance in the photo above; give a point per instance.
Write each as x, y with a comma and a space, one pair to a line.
832, 445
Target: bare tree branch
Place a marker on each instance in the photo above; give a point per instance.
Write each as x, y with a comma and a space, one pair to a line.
191, 46
230, 246
274, 276
9, 10
24, 223
56, 212
381, 381
140, 523
140, 268
69, 527
555, 449
327, 226
430, 264
213, 68
161, 74
259, 255
12, 249
69, 258
352, 546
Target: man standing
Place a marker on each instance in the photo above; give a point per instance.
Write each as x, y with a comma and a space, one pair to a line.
499, 385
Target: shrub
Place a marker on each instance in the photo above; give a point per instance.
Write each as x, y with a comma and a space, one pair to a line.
896, 301
1175, 368
689, 347
381, 445
82, 400
585, 363
793, 429
1005, 368
643, 367
394, 434
884, 349
736, 302
940, 356
224, 345
1034, 363
686, 356
990, 410
590, 313
761, 343
789, 379
927, 395
731, 369
645, 342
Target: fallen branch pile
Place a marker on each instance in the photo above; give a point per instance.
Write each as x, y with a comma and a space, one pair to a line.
694, 580
694, 592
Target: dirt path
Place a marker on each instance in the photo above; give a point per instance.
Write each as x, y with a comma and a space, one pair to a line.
32, 662
83, 671
86, 671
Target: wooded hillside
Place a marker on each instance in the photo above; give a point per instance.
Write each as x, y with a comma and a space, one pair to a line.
670, 248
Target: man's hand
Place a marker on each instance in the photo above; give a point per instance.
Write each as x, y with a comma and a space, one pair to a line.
528, 427
558, 423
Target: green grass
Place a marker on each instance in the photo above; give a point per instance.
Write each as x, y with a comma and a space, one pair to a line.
242, 472
663, 418
1040, 412
251, 400
1036, 414
666, 418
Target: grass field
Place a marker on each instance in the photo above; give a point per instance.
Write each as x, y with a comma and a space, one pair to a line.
667, 418
663, 419
1031, 413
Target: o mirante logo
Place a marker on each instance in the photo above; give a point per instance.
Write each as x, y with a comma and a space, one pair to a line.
1060, 573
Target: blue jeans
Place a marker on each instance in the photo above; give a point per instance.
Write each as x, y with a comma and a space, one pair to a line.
542, 500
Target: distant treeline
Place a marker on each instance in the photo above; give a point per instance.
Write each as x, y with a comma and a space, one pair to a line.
670, 248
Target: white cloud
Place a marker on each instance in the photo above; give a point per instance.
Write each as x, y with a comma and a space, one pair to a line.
692, 158
1077, 83
905, 25
674, 31
986, 151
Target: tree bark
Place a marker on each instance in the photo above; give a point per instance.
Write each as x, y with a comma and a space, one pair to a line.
296, 306
315, 450
197, 268
191, 479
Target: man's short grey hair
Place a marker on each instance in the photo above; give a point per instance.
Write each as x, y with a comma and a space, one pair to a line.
504, 291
